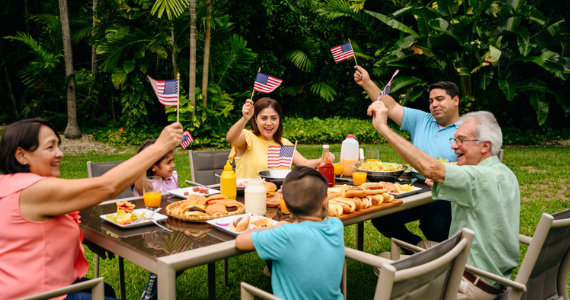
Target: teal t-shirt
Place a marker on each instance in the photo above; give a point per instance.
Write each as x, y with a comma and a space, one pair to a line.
308, 258
486, 199
427, 134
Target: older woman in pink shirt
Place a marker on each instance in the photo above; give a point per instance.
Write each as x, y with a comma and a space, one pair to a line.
40, 240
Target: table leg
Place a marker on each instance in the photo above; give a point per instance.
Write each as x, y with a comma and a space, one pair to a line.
122, 278
166, 281
360, 236
212, 281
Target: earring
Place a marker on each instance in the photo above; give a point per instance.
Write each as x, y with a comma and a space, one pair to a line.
25, 164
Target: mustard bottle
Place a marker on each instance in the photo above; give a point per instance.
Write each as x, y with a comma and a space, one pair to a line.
228, 182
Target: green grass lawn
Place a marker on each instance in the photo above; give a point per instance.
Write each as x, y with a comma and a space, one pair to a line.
543, 174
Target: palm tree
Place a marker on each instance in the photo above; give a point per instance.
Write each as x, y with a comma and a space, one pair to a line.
72, 130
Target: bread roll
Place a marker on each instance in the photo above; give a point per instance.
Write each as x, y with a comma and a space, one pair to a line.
270, 187
216, 210
387, 198
352, 191
373, 188
335, 209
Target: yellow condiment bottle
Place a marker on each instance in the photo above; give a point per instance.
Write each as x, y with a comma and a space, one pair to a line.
228, 182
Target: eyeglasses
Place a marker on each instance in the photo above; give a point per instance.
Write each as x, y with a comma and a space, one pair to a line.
460, 141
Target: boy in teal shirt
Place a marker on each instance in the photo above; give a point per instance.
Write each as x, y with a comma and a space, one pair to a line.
308, 256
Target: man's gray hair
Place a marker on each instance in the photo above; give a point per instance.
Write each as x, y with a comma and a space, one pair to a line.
488, 129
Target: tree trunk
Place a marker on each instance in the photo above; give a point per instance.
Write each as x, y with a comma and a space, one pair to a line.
72, 130
10, 93
175, 71
205, 70
92, 115
192, 88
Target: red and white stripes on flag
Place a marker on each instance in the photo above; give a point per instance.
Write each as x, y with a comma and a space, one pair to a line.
186, 139
388, 87
265, 83
342, 52
280, 156
166, 91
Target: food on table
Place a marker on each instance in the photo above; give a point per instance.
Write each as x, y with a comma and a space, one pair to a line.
203, 190
186, 193
212, 199
380, 166
270, 187
334, 191
216, 209
372, 188
335, 209
404, 187
262, 222
240, 224
352, 191
125, 206
196, 189
229, 204
347, 205
242, 183
390, 187
123, 218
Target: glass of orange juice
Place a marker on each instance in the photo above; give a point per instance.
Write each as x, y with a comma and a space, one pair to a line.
338, 167
358, 178
152, 192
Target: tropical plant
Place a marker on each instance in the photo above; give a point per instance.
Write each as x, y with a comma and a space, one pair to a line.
494, 50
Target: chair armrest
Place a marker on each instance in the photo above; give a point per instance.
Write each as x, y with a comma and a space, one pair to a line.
500, 279
96, 285
397, 244
525, 239
191, 182
248, 291
217, 185
367, 258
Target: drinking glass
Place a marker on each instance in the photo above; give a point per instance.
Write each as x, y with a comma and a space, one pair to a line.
338, 167
358, 177
152, 192
372, 155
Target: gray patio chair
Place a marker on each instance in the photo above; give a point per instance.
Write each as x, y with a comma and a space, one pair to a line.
544, 271
96, 285
96, 170
204, 166
500, 155
431, 274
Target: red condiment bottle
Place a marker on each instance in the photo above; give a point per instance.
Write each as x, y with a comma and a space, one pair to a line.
326, 167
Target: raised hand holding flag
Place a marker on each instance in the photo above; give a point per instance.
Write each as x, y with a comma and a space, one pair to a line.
186, 139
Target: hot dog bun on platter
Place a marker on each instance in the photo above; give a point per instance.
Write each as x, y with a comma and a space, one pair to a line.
262, 222
348, 206
373, 188
334, 191
240, 224
335, 209
389, 187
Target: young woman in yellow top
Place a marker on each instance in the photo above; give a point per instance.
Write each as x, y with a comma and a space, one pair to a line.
249, 147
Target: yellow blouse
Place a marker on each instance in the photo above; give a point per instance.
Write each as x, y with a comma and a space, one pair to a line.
254, 158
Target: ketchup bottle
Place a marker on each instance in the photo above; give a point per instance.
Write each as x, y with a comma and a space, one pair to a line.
326, 167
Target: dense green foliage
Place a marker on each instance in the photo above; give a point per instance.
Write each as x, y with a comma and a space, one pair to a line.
518, 72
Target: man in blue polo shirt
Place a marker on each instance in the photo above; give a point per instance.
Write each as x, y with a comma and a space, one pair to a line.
430, 133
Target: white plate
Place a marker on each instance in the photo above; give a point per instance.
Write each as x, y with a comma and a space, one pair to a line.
190, 190
220, 223
157, 217
403, 194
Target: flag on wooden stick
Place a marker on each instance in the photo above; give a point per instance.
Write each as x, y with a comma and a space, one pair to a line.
265, 83
342, 52
166, 91
186, 139
388, 87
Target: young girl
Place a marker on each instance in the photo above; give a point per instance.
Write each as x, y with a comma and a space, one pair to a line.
164, 168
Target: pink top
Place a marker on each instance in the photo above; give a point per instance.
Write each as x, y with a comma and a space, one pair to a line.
167, 184
36, 256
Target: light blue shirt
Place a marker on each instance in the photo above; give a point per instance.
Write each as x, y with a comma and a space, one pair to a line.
427, 134
308, 258
486, 199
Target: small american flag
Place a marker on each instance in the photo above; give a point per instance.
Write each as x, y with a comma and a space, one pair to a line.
186, 139
265, 83
342, 52
388, 87
280, 156
166, 91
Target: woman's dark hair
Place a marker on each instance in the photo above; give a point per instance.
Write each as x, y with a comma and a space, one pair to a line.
24, 134
145, 145
262, 104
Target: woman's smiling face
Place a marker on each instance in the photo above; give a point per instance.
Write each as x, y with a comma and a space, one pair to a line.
267, 122
45, 159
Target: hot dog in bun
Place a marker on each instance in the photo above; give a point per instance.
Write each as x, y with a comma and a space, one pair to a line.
335, 209
351, 191
373, 188
389, 187
240, 224
347, 205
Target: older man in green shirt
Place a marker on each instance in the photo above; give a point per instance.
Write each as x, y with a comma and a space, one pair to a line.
483, 192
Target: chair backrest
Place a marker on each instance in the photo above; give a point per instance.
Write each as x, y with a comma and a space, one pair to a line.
98, 169
500, 155
431, 274
204, 165
96, 285
546, 264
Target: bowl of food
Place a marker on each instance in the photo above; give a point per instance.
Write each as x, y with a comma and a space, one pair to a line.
380, 171
275, 176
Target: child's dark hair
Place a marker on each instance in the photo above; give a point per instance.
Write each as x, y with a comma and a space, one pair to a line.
307, 191
145, 145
